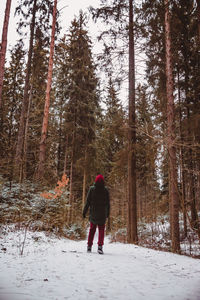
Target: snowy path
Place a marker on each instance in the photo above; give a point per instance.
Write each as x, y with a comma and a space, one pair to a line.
52, 269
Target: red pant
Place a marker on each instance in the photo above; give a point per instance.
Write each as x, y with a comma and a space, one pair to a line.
92, 233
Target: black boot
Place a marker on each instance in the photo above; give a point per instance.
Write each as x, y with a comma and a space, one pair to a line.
89, 249
100, 249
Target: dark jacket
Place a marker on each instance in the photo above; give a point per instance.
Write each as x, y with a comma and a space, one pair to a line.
99, 203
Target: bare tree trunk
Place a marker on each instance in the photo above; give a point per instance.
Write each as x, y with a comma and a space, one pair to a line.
198, 135
183, 196
66, 153
42, 154
3, 47
192, 194
24, 173
10, 143
191, 140
198, 16
23, 116
198, 182
59, 146
139, 204
145, 199
173, 193
197, 138
70, 194
182, 171
71, 181
84, 179
124, 201
132, 201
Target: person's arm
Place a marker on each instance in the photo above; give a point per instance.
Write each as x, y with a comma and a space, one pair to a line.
87, 204
108, 204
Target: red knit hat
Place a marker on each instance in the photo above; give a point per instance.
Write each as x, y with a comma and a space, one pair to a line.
99, 178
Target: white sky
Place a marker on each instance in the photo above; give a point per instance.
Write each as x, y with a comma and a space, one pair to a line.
69, 9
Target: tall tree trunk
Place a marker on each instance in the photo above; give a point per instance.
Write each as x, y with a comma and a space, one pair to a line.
59, 145
42, 153
125, 200
198, 16
192, 194
145, 199
84, 178
190, 139
70, 193
182, 171
132, 201
3, 47
23, 174
173, 192
66, 155
24, 109
183, 196
71, 181
190, 158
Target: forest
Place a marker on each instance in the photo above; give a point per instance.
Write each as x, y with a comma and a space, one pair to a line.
130, 112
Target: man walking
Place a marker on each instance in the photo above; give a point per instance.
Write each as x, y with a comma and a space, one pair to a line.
99, 203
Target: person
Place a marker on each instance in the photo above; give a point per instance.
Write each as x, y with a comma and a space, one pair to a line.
99, 203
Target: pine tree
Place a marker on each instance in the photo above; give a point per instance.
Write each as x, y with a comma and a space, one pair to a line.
12, 95
112, 131
147, 153
82, 103
187, 58
39, 12
37, 96
76, 94
21, 132
112, 154
60, 85
185, 62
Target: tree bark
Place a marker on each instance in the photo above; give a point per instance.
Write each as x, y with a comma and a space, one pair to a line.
190, 158
23, 174
192, 193
132, 201
59, 145
182, 171
3, 47
70, 194
173, 192
198, 17
42, 151
24, 109
71, 182
66, 155
84, 179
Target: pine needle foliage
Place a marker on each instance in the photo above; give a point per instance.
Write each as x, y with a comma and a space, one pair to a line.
55, 216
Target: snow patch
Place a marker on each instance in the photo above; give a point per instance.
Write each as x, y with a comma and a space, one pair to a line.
58, 268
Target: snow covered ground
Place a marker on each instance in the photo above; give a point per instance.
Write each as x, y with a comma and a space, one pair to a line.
53, 268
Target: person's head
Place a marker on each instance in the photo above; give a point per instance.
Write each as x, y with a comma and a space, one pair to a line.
99, 180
